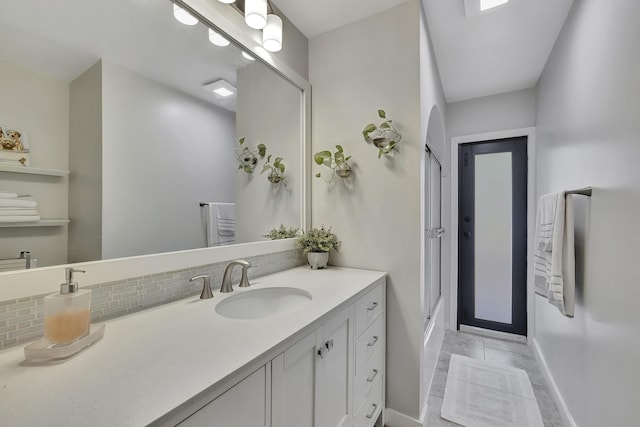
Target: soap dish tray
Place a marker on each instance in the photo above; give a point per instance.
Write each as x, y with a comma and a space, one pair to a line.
40, 350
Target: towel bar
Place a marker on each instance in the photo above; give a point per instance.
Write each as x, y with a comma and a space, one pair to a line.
582, 191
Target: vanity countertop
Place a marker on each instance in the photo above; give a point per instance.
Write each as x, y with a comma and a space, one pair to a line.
153, 361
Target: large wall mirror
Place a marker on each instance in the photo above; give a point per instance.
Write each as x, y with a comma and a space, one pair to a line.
121, 94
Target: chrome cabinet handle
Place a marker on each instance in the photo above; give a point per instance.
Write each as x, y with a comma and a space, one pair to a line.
373, 376
372, 343
322, 352
373, 411
329, 345
372, 306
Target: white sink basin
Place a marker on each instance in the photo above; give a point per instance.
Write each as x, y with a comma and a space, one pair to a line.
261, 303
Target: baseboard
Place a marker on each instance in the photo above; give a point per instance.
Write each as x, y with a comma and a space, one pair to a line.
555, 392
493, 334
398, 419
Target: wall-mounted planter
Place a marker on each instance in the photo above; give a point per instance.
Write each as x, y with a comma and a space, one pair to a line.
384, 136
337, 162
248, 157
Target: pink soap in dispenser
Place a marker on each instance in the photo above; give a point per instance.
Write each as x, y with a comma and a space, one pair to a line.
67, 314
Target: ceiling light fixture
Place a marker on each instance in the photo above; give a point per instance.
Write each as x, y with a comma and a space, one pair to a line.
272, 34
221, 88
217, 39
490, 4
183, 16
247, 56
226, 1
255, 13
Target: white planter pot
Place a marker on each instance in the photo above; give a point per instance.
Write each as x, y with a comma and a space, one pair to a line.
318, 259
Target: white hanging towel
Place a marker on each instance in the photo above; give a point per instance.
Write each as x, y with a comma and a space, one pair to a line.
226, 219
220, 220
554, 252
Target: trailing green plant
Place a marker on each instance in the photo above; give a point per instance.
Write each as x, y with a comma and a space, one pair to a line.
277, 168
318, 240
383, 136
248, 156
337, 162
282, 233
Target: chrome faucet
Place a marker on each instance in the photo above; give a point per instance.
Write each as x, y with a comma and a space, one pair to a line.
226, 278
206, 287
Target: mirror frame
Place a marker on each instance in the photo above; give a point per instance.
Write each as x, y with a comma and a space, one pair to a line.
223, 18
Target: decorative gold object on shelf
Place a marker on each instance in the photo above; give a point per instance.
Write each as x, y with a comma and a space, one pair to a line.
12, 149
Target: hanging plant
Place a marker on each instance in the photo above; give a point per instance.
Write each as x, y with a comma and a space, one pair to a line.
337, 162
384, 136
248, 157
276, 175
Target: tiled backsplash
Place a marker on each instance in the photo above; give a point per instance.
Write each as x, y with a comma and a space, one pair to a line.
22, 320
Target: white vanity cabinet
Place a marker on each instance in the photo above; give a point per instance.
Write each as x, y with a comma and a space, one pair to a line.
334, 377
369, 373
311, 380
244, 405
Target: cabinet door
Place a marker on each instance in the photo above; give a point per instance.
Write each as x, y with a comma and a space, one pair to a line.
293, 379
242, 405
333, 381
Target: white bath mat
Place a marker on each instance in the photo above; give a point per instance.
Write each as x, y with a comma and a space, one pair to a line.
484, 394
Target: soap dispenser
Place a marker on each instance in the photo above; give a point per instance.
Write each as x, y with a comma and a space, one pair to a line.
67, 314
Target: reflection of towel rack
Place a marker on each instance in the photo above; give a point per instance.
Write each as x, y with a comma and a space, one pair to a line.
582, 191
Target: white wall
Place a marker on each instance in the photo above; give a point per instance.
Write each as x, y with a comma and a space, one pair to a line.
163, 153
85, 160
355, 70
38, 106
511, 110
588, 129
268, 112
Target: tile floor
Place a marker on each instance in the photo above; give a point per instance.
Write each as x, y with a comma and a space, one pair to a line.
494, 350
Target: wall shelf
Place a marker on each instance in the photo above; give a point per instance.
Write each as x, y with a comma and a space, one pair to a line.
32, 170
41, 223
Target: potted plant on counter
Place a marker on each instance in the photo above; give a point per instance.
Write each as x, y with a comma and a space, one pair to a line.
317, 243
282, 233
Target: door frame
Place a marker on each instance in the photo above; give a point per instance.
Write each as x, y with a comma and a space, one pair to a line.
530, 133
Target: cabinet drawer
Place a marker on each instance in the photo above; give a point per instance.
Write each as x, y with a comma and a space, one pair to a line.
367, 378
371, 408
371, 340
367, 308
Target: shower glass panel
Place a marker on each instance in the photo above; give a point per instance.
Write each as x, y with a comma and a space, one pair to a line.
493, 237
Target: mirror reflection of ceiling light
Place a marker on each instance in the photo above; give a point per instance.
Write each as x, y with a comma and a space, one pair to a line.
247, 56
272, 34
490, 4
217, 38
221, 88
183, 16
226, 1
255, 13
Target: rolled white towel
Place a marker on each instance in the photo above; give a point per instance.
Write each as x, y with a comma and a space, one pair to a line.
17, 212
19, 202
4, 194
20, 218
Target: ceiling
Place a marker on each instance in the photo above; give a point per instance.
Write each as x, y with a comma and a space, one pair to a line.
63, 38
500, 50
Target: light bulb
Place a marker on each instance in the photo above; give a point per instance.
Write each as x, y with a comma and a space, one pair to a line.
217, 38
272, 34
255, 13
183, 16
